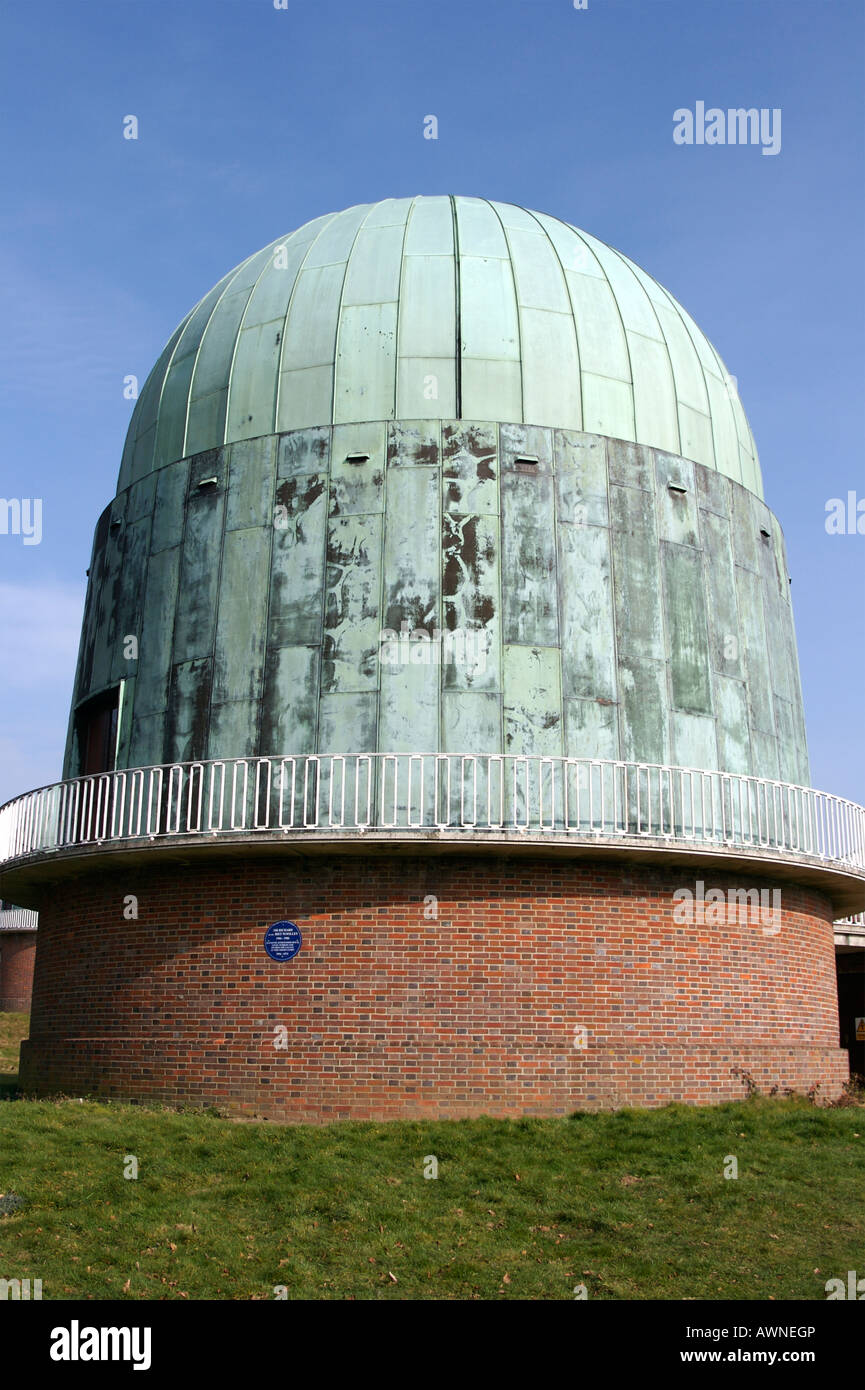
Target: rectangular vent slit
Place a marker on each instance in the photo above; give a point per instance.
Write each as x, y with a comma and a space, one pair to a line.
357, 458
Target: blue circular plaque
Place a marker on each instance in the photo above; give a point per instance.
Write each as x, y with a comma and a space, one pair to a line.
283, 940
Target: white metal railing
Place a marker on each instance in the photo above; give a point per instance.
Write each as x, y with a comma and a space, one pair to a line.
415, 792
18, 919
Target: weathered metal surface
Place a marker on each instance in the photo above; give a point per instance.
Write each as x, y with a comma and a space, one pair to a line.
585, 584
156, 633
529, 606
352, 616
297, 567
755, 647
199, 572
241, 623
532, 700
722, 613
126, 600
187, 722
432, 308
687, 631
409, 703
644, 714
621, 601
289, 714
637, 577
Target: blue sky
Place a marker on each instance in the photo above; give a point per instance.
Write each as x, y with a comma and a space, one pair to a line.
253, 120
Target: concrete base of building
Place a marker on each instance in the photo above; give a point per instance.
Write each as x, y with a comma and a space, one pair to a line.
435, 987
17, 960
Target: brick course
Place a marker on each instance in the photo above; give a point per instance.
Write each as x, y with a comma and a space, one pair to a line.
389, 1014
17, 958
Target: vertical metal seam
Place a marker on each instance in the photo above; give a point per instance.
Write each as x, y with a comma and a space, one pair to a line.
627, 265
560, 263
458, 329
339, 308
289, 305
396, 338
517, 306
582, 236
259, 716
179, 331
268, 264
716, 453
229, 281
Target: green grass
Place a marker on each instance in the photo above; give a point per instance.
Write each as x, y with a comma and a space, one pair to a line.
634, 1205
13, 1027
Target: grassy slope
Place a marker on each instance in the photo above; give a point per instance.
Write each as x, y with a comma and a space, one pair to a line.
633, 1204
13, 1027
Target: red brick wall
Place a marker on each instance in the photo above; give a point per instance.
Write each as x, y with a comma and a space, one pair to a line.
389, 1014
17, 957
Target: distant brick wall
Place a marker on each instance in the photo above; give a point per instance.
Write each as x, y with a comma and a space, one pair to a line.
388, 1014
17, 958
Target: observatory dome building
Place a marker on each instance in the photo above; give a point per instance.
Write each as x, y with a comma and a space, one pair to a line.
437, 743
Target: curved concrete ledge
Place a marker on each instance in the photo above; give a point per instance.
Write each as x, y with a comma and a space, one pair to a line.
25, 878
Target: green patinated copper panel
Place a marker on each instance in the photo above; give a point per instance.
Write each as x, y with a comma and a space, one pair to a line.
744, 530
713, 492
755, 653
470, 468
199, 574
413, 444
357, 470
147, 744
254, 377
297, 574
289, 713
233, 729
586, 600
126, 599
347, 723
471, 722
692, 740
764, 754
636, 575
172, 484
687, 630
677, 500
242, 615
731, 706
643, 711
591, 729
471, 580
157, 633
251, 471
533, 700
352, 616
631, 465
529, 600
187, 723
113, 582
724, 639
581, 479
409, 701
304, 451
